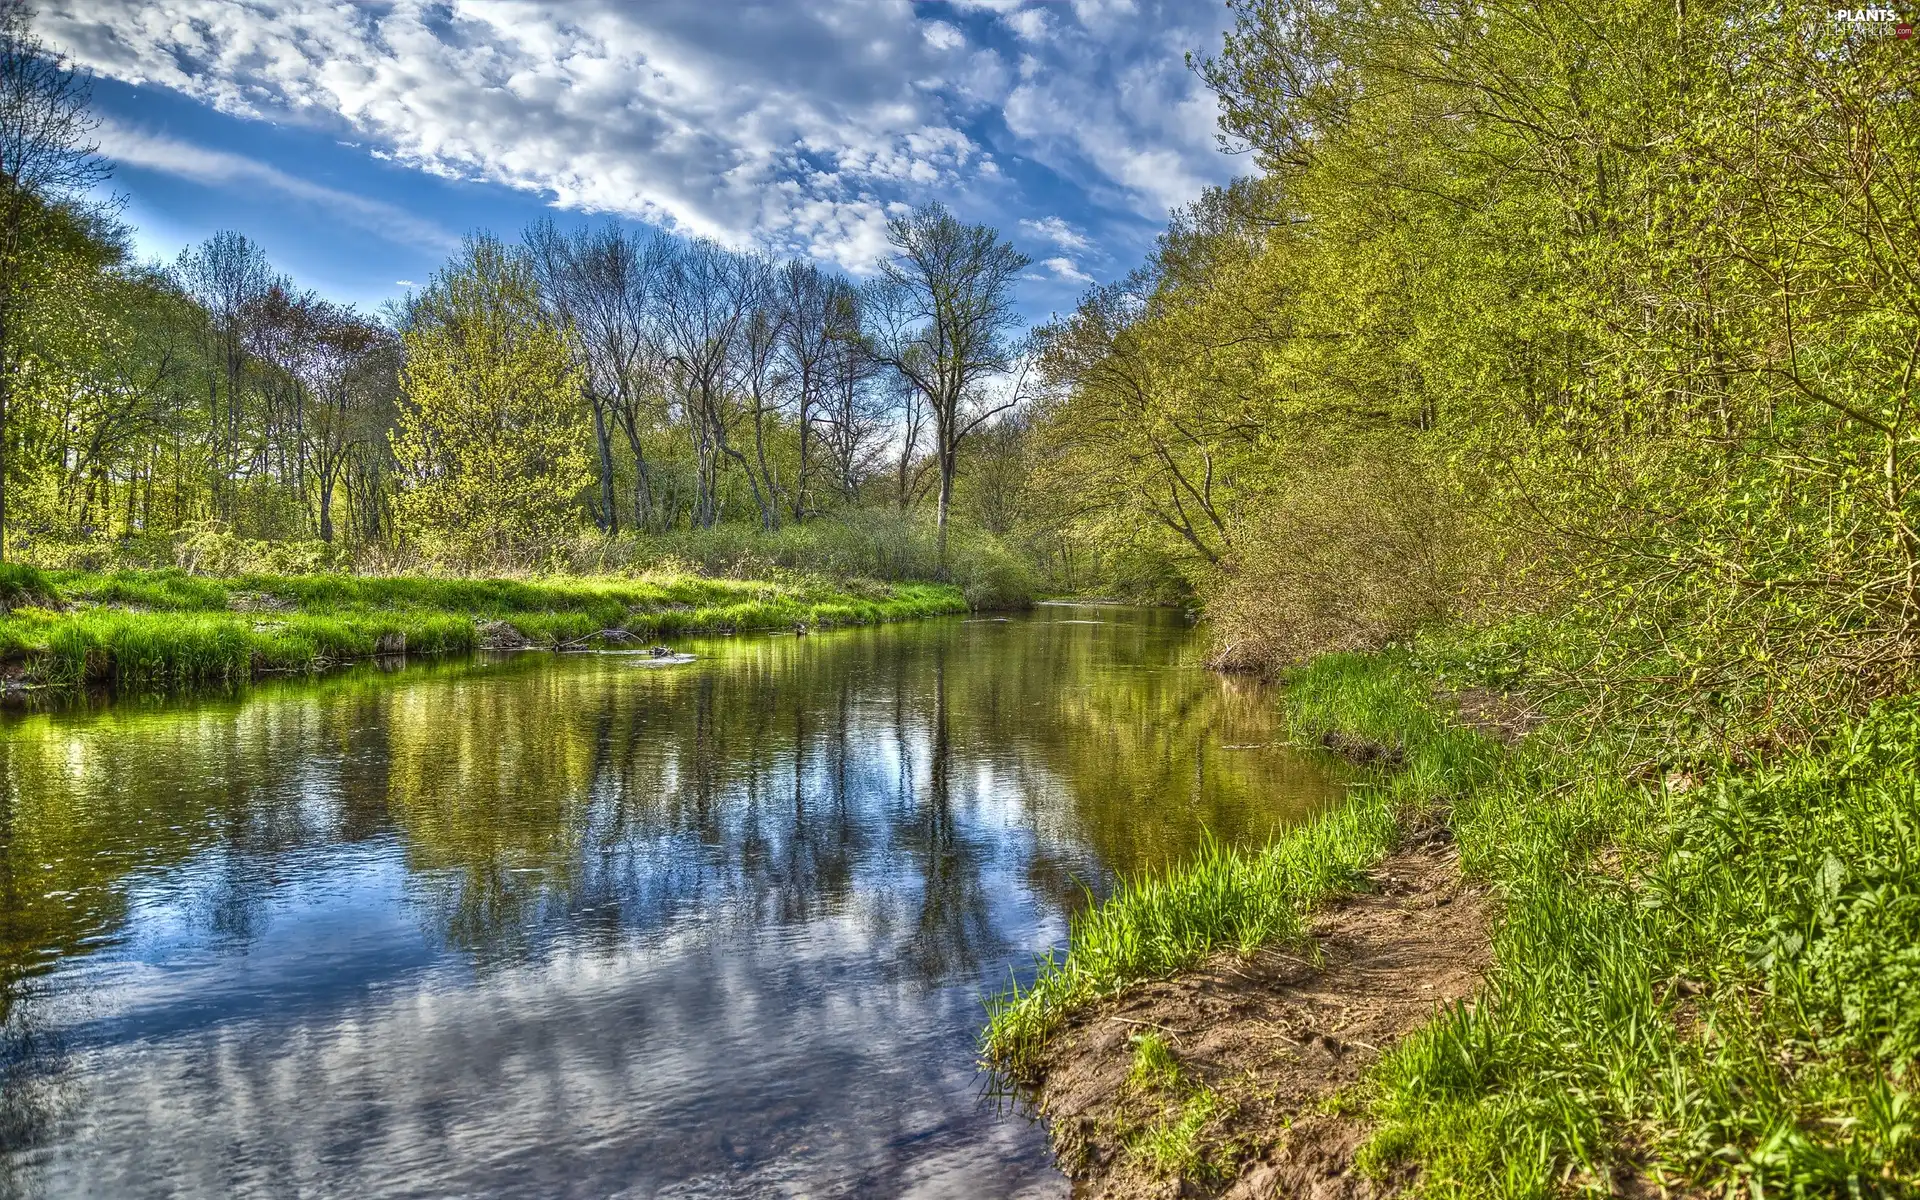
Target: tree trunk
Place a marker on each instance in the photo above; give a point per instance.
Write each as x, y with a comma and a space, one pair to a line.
609, 518
947, 458
326, 507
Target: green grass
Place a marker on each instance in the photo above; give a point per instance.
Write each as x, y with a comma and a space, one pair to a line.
1154, 1065
1176, 1146
1709, 976
166, 629
1717, 985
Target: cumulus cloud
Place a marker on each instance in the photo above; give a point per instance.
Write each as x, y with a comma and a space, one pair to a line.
789, 126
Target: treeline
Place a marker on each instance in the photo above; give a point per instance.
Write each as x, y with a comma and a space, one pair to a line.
1604, 313
590, 381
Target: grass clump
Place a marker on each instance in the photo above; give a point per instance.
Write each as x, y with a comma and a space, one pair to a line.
1154, 1065
1178, 1145
22, 586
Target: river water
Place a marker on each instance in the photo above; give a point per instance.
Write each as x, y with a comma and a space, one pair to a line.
582, 925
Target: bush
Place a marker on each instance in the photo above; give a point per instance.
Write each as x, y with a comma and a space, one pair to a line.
858, 545
211, 548
1351, 556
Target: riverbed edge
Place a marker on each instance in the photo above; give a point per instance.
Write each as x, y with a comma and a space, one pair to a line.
166, 630
1566, 836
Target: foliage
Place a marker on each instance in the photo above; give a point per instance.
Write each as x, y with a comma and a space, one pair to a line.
1537, 308
491, 441
1347, 556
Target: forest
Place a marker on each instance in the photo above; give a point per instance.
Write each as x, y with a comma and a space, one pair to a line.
541, 397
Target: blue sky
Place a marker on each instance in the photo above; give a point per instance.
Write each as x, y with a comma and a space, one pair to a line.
357, 141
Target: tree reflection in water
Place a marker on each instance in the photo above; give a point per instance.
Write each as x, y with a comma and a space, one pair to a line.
654, 923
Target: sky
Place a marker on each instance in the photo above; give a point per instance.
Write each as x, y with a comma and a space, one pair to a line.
358, 141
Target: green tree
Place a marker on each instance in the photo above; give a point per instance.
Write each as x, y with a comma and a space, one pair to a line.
492, 435
47, 164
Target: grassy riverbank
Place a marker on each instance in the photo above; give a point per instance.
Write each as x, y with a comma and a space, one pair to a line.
161, 629
1704, 973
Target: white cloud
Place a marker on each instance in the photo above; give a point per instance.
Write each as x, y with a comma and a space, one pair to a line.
1057, 231
1028, 24
1063, 268
155, 152
942, 36
791, 126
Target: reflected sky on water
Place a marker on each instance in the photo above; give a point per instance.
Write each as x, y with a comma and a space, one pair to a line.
582, 925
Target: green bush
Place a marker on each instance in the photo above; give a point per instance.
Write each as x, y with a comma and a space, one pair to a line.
21, 585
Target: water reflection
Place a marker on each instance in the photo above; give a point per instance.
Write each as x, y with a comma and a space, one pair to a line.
586, 926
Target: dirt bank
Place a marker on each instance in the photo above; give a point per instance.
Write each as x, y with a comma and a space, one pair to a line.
1260, 1047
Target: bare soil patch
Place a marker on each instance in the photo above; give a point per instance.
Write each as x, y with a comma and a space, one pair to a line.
1274, 1039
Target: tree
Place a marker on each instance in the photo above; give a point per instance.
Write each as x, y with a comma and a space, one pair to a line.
811, 300
710, 295
855, 411
230, 277
46, 161
601, 283
492, 435
940, 315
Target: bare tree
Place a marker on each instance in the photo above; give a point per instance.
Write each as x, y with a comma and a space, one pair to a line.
810, 299
47, 158
283, 328
939, 316
760, 344
351, 377
602, 282
855, 412
229, 275
705, 304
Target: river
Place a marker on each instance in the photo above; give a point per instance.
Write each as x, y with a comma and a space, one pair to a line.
583, 925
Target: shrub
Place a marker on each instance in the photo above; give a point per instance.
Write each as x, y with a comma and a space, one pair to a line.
1353, 555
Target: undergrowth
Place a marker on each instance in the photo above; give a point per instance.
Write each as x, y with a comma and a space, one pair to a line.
1709, 977
1706, 976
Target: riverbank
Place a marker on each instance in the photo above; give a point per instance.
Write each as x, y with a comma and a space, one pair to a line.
165, 629
1696, 975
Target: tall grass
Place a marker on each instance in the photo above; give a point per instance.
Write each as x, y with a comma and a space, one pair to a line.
167, 629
